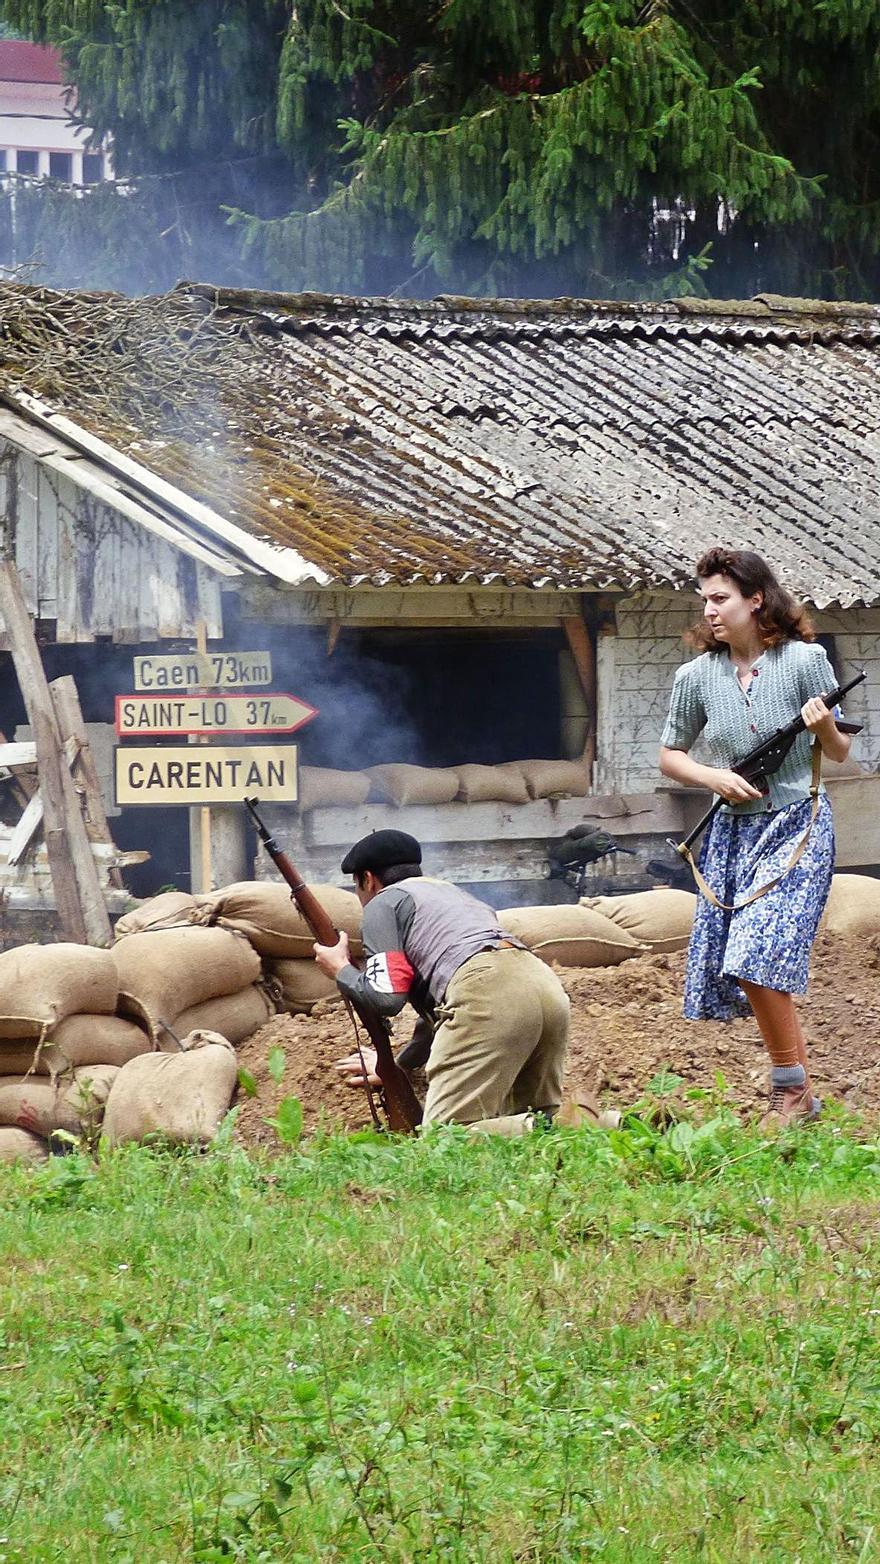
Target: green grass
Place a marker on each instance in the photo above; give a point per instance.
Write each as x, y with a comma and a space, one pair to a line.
641, 1345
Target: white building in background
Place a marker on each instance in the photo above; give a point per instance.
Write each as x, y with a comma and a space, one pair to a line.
38, 135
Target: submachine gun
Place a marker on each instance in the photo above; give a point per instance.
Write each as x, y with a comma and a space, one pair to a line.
767, 757
402, 1106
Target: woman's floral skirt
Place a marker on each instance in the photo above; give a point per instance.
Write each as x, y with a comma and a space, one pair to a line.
767, 943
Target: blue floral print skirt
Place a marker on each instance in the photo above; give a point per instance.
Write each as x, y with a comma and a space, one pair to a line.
769, 942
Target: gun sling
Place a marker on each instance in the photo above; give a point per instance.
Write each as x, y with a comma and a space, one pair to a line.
706, 889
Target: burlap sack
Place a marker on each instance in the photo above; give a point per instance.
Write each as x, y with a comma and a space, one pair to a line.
659, 918
79, 1040
572, 935
167, 911
853, 907
553, 778
21, 1146
166, 971
490, 784
401, 785
41, 1106
302, 984
234, 1016
179, 1097
41, 984
320, 788
264, 912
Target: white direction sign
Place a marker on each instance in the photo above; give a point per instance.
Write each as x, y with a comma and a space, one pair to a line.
139, 715
206, 774
203, 670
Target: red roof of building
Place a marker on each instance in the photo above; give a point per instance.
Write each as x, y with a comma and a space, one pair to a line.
22, 61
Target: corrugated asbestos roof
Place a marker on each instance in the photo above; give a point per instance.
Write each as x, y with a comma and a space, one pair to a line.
563, 443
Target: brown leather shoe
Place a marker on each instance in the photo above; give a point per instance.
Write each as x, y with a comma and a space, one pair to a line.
789, 1105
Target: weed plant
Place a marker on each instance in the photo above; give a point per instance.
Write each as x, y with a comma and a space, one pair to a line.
655, 1343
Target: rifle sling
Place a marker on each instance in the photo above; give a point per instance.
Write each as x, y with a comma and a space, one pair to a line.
798, 853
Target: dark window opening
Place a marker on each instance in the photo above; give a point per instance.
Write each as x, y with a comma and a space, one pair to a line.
27, 162
93, 168
61, 166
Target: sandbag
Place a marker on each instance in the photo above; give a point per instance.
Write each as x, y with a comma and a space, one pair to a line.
853, 906
234, 1016
661, 918
302, 984
401, 784
41, 1106
166, 971
490, 784
572, 935
21, 1146
41, 984
179, 1097
264, 912
166, 911
322, 788
79, 1040
553, 778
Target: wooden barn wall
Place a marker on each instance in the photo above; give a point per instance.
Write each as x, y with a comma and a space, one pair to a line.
637, 663
94, 571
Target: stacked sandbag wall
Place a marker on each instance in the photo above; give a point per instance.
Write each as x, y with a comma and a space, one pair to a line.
61, 1044
265, 913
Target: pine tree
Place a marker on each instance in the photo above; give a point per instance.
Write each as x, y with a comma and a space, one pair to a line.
524, 146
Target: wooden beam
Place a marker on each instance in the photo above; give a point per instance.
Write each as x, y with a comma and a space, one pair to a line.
70, 722
580, 644
24, 754
32, 818
79, 900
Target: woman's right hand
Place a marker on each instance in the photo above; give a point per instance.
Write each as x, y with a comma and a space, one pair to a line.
733, 788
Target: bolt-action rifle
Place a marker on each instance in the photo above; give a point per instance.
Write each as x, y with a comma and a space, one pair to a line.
767, 757
401, 1104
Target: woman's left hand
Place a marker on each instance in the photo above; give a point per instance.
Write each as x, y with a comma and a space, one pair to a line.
817, 718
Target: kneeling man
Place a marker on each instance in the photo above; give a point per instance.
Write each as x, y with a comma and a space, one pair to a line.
494, 1021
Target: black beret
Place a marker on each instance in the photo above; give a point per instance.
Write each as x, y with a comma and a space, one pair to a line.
381, 850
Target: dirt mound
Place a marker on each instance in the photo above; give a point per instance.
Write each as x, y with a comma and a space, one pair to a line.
626, 1026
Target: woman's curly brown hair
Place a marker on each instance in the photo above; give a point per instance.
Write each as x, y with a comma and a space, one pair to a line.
780, 617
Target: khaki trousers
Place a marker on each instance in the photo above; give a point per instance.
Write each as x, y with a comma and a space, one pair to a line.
499, 1051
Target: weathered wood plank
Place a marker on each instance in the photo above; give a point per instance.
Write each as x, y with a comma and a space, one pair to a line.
51, 497
508, 823
72, 728
17, 754
389, 605
31, 820
26, 540
81, 908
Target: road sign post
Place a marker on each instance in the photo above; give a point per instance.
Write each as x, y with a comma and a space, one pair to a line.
200, 697
141, 716
202, 776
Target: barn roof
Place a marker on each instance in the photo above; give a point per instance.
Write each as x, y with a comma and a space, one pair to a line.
561, 443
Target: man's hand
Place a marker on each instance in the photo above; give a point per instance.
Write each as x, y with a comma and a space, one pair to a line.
332, 958
353, 1073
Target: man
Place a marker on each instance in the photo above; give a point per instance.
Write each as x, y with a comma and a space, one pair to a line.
497, 1018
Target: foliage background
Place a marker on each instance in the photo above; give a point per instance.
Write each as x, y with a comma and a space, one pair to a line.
514, 146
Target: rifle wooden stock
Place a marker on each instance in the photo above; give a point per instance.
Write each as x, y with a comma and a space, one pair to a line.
402, 1106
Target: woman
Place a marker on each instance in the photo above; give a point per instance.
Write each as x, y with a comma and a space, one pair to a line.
760, 667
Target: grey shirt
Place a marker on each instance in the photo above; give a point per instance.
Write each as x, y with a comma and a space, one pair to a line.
416, 934
708, 699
